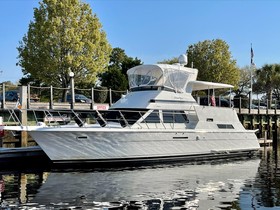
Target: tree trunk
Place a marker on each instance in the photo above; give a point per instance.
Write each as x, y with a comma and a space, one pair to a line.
269, 97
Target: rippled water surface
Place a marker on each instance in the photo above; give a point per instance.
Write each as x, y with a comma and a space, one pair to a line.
240, 184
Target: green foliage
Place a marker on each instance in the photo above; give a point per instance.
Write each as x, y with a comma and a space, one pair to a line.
245, 81
100, 94
116, 77
116, 81
119, 60
64, 36
213, 61
268, 80
129, 63
169, 61
29, 79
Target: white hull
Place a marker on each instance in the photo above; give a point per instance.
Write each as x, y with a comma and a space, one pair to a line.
119, 145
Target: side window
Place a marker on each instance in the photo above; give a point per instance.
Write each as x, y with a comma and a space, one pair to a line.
174, 117
168, 117
153, 118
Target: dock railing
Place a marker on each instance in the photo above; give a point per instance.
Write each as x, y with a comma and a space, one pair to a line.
55, 98
101, 98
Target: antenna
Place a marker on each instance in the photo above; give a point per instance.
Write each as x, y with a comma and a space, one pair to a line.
183, 59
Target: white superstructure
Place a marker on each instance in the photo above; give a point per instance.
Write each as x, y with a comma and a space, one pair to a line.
158, 120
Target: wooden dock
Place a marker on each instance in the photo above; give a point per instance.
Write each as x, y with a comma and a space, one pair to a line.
265, 142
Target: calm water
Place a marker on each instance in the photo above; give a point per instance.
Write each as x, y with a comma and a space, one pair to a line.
242, 184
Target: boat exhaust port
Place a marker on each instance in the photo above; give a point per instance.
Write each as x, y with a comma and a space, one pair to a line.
81, 137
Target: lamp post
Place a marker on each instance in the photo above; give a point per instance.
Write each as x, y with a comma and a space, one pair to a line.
71, 74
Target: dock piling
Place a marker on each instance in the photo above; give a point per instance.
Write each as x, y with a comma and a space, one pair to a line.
23, 115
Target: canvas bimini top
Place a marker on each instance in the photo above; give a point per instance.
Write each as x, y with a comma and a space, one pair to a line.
174, 77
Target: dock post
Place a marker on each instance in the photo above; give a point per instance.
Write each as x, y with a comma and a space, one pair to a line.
92, 99
3, 105
51, 98
28, 96
239, 108
265, 137
110, 97
23, 115
1, 131
275, 136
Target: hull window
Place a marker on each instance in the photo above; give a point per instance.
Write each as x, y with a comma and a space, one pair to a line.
225, 126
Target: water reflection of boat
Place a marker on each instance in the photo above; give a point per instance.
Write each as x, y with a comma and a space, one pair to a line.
158, 120
204, 185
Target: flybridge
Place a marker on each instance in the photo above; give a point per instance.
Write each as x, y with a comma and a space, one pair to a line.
169, 77
173, 77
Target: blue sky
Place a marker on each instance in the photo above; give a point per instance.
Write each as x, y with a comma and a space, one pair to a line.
153, 30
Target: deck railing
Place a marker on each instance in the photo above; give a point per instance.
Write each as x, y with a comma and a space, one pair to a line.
51, 98
151, 119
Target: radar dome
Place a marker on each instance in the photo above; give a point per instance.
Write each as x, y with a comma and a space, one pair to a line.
183, 59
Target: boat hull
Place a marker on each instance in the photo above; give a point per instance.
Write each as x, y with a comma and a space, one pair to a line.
126, 146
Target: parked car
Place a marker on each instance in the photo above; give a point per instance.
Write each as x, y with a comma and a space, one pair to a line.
79, 98
10, 95
254, 106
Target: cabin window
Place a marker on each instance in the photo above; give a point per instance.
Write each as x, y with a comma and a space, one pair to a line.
153, 117
174, 117
141, 80
225, 126
209, 120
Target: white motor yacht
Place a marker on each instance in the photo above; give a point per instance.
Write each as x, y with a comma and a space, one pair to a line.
157, 120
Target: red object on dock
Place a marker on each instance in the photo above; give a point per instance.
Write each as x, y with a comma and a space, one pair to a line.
2, 133
2, 186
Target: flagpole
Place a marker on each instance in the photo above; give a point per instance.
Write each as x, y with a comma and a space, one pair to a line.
251, 77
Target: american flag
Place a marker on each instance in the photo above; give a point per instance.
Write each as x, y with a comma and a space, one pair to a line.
252, 55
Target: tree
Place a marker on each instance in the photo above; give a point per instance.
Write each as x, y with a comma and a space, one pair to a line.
64, 36
245, 81
119, 60
116, 81
116, 77
268, 81
170, 61
28, 79
213, 61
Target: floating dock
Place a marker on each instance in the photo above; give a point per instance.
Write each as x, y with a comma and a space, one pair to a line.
22, 157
